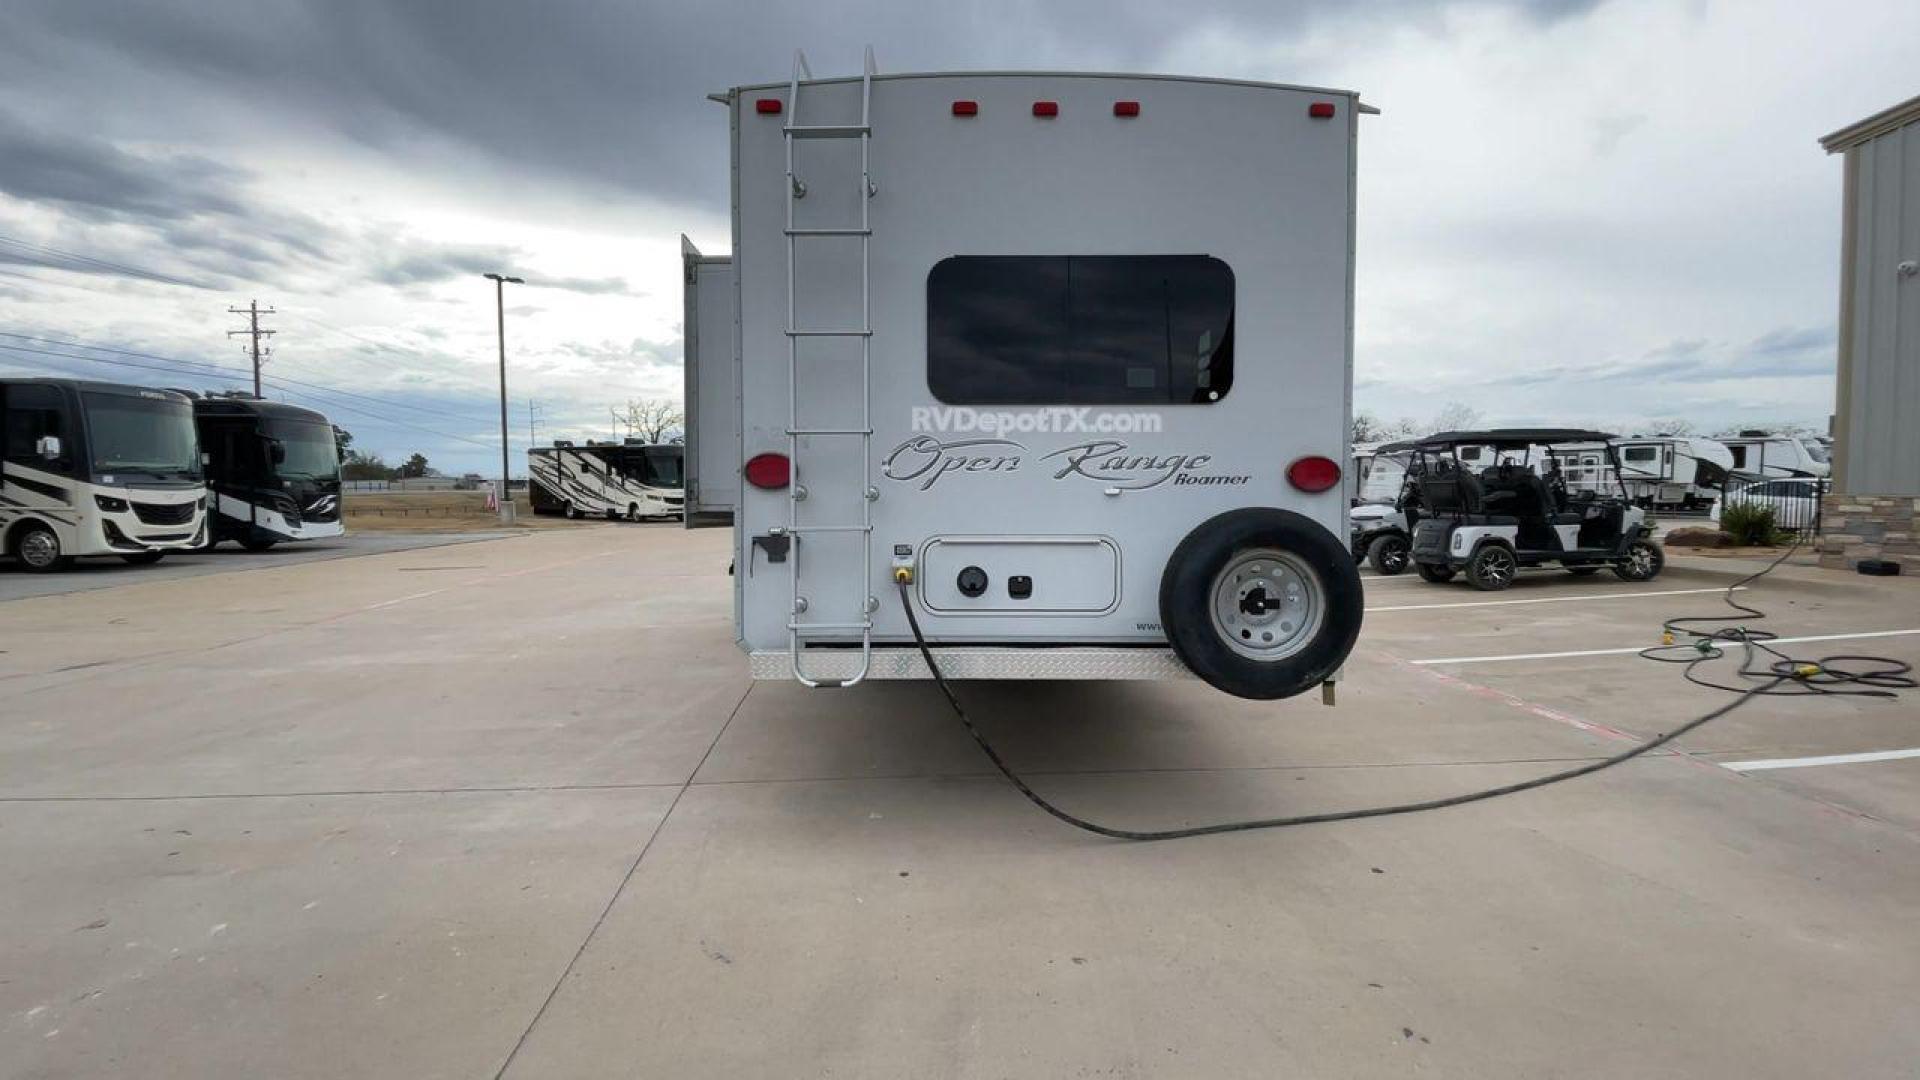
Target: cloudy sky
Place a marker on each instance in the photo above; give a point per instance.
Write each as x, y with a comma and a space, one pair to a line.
1570, 211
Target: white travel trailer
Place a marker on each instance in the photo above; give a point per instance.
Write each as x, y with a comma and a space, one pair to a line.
631, 480
1063, 361
95, 468
1657, 471
1763, 455
712, 372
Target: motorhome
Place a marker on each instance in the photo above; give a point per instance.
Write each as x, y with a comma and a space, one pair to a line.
712, 371
1763, 455
273, 472
1009, 353
94, 468
631, 480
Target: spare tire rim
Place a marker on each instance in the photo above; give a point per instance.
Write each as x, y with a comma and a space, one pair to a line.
1267, 604
39, 548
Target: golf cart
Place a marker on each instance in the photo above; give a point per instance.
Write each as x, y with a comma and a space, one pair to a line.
1380, 524
1518, 512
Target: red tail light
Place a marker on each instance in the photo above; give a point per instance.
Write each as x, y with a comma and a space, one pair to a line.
1313, 474
1126, 108
769, 472
966, 108
1321, 110
767, 106
1046, 108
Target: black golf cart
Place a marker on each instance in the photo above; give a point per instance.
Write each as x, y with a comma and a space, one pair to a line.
1517, 512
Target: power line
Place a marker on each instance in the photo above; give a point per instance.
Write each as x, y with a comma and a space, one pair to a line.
89, 264
309, 395
275, 379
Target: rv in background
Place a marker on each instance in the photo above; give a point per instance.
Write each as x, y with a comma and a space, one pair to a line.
1673, 471
633, 479
273, 471
96, 468
1762, 455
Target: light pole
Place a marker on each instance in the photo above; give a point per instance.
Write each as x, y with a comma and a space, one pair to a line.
500, 283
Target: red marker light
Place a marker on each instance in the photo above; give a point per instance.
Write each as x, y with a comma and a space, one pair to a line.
1313, 474
767, 106
1126, 108
1321, 110
769, 472
966, 108
1046, 108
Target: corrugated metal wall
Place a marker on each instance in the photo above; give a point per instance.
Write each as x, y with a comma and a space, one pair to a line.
1882, 426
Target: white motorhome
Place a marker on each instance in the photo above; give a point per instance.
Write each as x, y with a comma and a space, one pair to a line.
631, 480
1062, 360
94, 468
711, 370
1763, 455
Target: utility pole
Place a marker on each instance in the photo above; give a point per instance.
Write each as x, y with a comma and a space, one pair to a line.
500, 283
534, 413
253, 311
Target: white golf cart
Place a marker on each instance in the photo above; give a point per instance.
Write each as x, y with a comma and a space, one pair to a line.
1380, 524
1518, 512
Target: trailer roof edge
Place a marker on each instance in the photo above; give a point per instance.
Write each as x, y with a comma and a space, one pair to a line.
727, 96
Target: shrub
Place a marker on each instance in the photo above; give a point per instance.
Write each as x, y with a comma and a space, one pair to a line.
1749, 524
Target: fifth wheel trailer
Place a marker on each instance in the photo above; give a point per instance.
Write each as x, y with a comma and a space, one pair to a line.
1062, 360
93, 468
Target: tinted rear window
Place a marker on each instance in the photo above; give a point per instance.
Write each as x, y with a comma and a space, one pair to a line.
1080, 329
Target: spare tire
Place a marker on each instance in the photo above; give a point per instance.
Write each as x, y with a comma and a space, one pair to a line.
1261, 603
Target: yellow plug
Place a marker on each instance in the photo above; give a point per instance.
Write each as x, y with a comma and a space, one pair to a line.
903, 575
1666, 637
1806, 671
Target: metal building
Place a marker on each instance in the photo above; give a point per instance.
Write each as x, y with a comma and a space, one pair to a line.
1876, 451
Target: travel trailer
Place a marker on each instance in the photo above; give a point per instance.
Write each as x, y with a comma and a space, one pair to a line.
1658, 471
94, 468
631, 480
712, 374
1009, 353
1763, 455
273, 472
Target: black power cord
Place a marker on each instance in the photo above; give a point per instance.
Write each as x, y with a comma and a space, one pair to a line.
906, 602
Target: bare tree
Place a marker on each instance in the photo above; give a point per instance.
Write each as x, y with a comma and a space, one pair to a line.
1670, 425
1456, 417
650, 419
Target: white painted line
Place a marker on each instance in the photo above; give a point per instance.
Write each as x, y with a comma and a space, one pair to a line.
1555, 599
1829, 759
1638, 648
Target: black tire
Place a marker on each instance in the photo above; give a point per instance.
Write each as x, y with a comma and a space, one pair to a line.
571, 512
1437, 573
1189, 584
37, 547
1643, 562
633, 511
143, 558
257, 546
1492, 568
1584, 571
1390, 555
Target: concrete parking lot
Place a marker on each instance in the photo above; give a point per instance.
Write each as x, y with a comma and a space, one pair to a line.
512, 808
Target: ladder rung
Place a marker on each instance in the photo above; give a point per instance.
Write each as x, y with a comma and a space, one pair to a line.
830, 232
830, 431
829, 528
829, 333
828, 131
829, 626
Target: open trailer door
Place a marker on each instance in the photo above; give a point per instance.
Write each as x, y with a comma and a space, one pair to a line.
712, 375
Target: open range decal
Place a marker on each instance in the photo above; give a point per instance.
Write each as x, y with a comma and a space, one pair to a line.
1107, 462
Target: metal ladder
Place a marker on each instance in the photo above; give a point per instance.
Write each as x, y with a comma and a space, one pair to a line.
797, 629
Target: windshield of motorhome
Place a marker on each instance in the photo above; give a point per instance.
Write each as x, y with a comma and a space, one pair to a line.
309, 446
663, 468
140, 434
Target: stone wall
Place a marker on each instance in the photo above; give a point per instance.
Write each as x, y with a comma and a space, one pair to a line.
1855, 527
